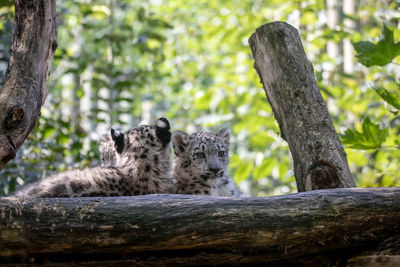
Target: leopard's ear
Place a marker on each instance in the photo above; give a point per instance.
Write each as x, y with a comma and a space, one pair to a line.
180, 141
107, 151
118, 139
104, 139
225, 135
163, 131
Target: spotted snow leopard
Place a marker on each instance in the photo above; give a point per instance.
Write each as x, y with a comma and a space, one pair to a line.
201, 162
142, 166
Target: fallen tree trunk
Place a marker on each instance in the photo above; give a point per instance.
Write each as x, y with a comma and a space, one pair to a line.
319, 159
183, 229
24, 87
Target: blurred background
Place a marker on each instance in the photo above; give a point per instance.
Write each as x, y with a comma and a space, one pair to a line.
121, 62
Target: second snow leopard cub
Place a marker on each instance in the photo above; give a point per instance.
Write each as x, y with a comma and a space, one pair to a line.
201, 163
139, 164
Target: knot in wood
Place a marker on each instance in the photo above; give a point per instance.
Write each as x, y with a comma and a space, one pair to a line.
322, 175
54, 45
14, 117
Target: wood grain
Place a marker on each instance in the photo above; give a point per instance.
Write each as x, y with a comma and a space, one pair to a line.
319, 159
187, 227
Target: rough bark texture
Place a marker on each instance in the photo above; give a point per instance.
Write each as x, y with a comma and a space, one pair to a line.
289, 83
24, 88
317, 227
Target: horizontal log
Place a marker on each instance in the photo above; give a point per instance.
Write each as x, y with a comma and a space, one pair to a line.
182, 228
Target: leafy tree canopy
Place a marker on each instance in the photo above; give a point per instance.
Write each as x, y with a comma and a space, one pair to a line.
124, 62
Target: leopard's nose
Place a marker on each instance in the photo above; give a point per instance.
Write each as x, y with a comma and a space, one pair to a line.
218, 172
215, 169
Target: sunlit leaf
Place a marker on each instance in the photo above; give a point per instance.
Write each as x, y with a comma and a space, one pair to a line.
379, 54
64, 139
283, 168
371, 136
48, 132
203, 102
390, 97
265, 168
357, 157
260, 140
243, 171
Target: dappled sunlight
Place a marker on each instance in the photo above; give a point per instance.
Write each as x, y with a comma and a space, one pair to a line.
120, 63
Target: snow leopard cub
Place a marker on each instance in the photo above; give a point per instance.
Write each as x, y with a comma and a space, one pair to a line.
201, 162
142, 166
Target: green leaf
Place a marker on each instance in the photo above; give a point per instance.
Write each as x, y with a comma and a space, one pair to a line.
203, 102
379, 54
123, 84
260, 140
141, 14
48, 132
5, 3
63, 139
283, 169
243, 171
265, 168
371, 136
390, 97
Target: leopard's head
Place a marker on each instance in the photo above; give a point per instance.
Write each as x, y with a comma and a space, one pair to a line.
202, 154
150, 143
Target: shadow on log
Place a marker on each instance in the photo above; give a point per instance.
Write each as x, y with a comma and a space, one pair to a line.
302, 228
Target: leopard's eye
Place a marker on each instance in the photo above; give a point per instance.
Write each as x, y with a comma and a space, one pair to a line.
221, 153
200, 155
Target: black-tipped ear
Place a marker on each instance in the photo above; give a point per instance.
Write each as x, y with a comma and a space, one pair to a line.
118, 139
180, 141
225, 135
163, 130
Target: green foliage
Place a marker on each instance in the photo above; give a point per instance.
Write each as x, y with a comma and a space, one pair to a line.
6, 3
371, 136
383, 160
379, 54
120, 63
390, 97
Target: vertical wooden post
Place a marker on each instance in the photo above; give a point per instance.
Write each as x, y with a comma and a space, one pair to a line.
289, 83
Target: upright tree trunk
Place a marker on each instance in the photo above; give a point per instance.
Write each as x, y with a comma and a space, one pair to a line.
24, 89
289, 82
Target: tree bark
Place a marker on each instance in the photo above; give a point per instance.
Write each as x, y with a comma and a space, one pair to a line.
310, 227
319, 159
24, 88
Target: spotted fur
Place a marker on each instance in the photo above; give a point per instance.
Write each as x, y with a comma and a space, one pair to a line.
141, 166
201, 163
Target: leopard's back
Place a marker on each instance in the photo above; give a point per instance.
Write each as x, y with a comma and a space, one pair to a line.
139, 164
